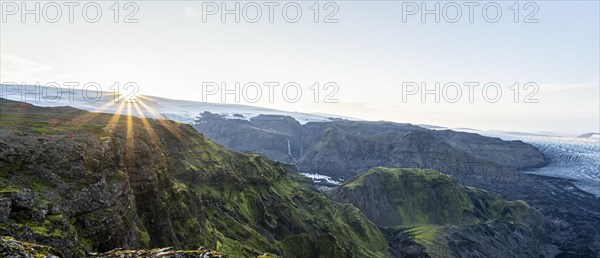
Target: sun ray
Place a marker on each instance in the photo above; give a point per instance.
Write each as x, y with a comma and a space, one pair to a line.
129, 140
146, 123
115, 118
129, 122
149, 99
88, 116
172, 128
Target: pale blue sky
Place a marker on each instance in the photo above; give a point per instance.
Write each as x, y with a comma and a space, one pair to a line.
369, 53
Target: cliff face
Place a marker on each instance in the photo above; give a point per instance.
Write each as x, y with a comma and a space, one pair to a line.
83, 182
344, 148
279, 137
441, 218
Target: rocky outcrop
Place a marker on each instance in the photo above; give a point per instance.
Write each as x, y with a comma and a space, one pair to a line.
10, 247
426, 213
161, 252
89, 183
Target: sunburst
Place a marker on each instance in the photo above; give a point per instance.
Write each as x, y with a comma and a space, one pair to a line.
147, 125
129, 139
169, 125
138, 109
88, 116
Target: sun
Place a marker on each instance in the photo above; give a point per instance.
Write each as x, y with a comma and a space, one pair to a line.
133, 107
131, 97
128, 93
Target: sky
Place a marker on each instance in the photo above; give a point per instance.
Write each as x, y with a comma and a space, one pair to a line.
362, 64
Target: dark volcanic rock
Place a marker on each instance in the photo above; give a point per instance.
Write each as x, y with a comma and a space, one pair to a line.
575, 213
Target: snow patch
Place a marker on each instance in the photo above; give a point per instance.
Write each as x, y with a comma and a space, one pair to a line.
321, 178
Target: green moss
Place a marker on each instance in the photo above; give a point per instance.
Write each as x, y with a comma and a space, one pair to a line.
426, 234
95, 129
9, 189
144, 238
47, 229
41, 186
57, 218
357, 183
10, 168
86, 243
41, 130
206, 190
427, 202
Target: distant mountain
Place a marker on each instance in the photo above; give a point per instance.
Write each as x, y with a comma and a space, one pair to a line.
344, 148
426, 213
590, 135
183, 111
433, 127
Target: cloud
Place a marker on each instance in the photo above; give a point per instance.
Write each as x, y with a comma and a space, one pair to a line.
14, 68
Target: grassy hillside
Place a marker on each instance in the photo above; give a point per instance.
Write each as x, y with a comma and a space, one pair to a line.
444, 217
84, 182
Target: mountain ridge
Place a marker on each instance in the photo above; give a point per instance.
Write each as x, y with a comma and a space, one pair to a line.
445, 218
126, 182
344, 148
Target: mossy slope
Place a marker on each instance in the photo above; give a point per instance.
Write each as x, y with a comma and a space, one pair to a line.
84, 182
444, 216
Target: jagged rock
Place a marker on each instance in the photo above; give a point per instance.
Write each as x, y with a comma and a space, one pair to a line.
4, 209
402, 244
39, 213
54, 209
10, 247
24, 199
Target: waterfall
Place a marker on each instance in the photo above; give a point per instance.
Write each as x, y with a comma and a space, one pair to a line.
290, 149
